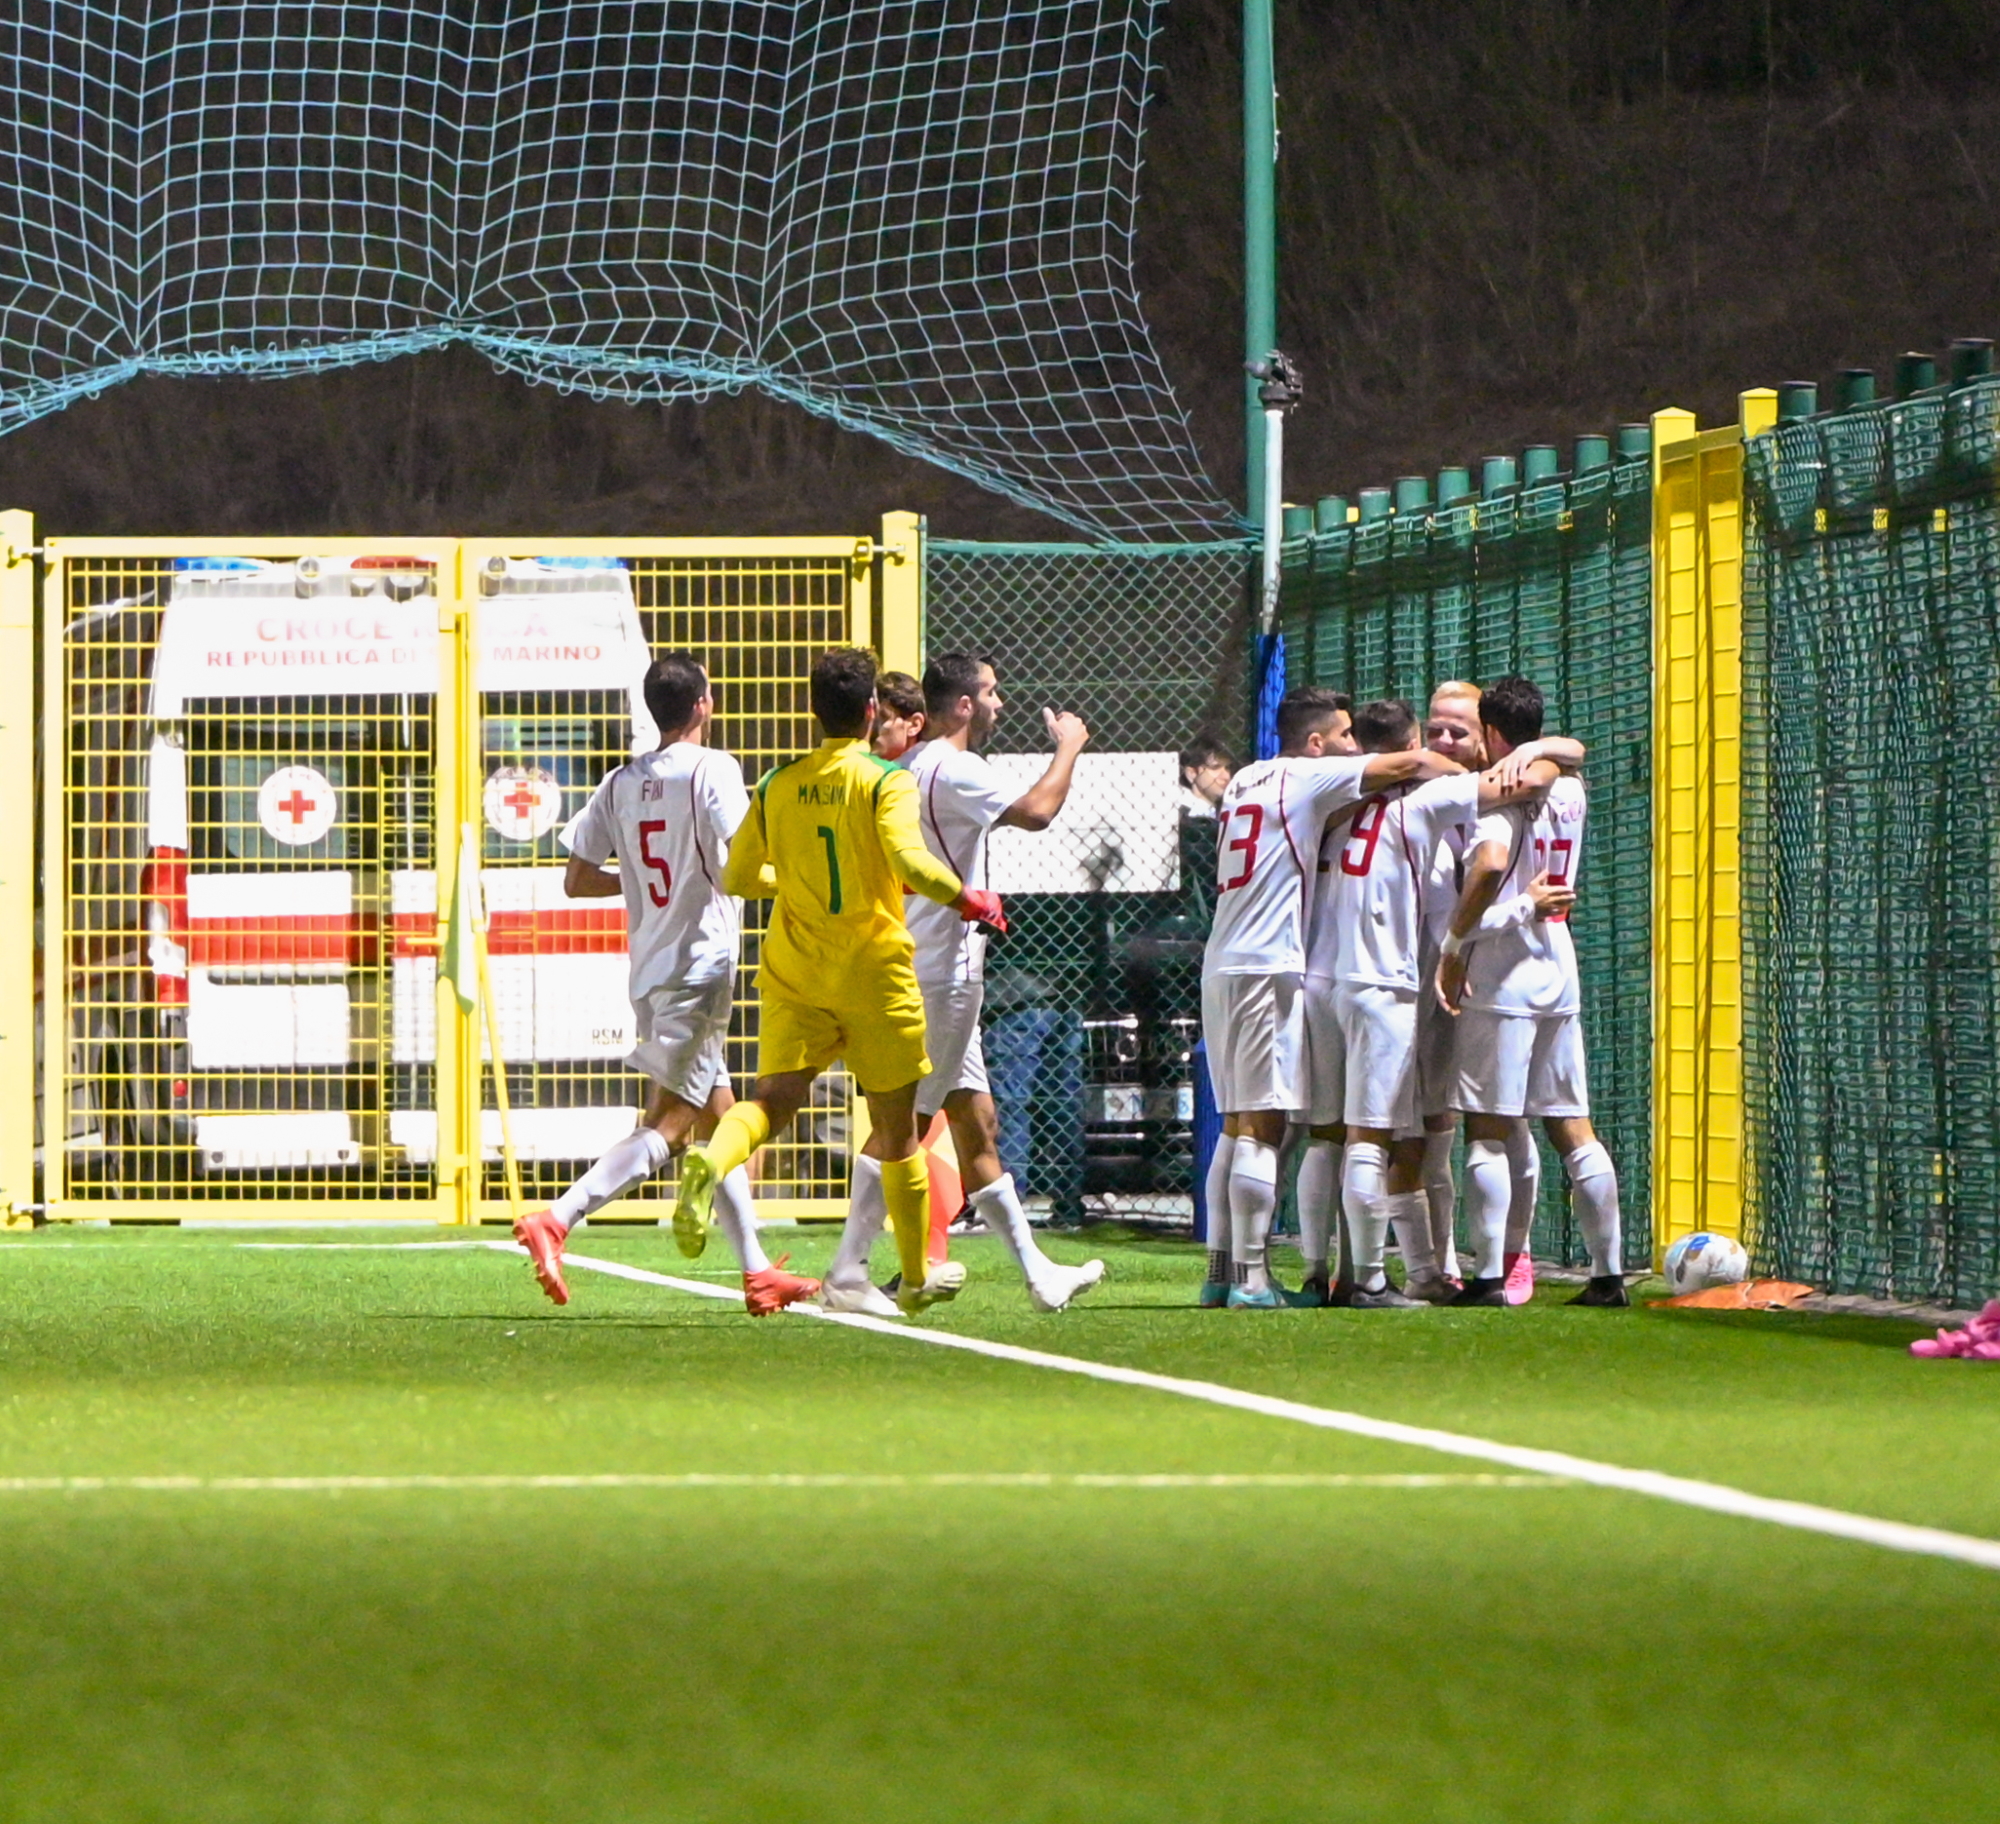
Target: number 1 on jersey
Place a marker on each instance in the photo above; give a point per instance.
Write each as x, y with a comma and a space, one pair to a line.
832, 868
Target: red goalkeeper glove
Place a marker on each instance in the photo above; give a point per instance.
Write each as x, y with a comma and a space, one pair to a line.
977, 906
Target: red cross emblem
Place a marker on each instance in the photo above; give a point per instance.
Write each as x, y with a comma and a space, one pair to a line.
297, 805
523, 803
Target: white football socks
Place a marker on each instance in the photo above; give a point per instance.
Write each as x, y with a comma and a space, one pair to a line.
1410, 1218
999, 1207
1318, 1188
632, 1161
737, 1219
1488, 1193
1442, 1194
1364, 1204
867, 1211
1593, 1194
1524, 1161
1253, 1201
1217, 1189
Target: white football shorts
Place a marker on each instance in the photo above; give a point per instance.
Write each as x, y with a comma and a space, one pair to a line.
951, 1038
681, 1029
1518, 1064
1437, 1055
1361, 1055
1254, 1027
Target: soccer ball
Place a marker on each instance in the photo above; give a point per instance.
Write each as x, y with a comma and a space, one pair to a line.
1696, 1262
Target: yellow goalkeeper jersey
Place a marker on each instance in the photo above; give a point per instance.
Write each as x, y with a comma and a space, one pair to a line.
839, 832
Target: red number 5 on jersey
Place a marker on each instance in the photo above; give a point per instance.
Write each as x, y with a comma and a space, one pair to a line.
1246, 846
659, 894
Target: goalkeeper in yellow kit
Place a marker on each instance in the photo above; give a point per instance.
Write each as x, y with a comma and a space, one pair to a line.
835, 837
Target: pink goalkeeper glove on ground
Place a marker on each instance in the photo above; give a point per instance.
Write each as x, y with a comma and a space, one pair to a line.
1979, 1341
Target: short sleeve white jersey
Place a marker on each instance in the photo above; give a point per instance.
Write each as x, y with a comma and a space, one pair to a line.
1374, 870
668, 817
960, 797
1268, 829
1528, 965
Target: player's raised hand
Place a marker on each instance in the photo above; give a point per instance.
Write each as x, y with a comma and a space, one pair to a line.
977, 906
1553, 898
1066, 730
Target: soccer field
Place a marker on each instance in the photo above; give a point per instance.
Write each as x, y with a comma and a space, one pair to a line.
856, 1577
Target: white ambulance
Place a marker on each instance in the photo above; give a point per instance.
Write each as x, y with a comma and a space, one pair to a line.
292, 902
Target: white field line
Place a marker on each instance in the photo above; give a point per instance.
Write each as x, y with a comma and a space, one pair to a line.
260, 1485
1715, 1497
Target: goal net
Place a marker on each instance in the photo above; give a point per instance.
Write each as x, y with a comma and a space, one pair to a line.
913, 217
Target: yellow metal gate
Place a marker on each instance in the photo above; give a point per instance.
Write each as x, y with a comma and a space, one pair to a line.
258, 759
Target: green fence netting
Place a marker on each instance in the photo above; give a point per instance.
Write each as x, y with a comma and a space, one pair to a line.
1871, 843
1093, 1001
1553, 581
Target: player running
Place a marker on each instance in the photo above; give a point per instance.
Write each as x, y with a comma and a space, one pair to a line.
834, 836
961, 798
1362, 977
1509, 961
1252, 992
668, 817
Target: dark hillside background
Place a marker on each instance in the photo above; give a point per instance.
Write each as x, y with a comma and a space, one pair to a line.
1504, 222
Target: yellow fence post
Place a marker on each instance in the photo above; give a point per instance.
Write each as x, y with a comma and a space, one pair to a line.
901, 634
1699, 1140
17, 873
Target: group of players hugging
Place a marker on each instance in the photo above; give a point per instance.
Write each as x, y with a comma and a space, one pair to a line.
1389, 950
851, 969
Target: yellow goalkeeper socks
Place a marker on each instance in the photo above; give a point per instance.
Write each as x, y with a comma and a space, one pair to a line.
737, 1135
906, 1188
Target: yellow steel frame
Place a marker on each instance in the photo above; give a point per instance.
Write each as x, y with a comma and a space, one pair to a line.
18, 973
1701, 1176
893, 625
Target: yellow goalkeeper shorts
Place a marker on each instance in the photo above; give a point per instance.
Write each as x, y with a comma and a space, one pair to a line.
874, 1020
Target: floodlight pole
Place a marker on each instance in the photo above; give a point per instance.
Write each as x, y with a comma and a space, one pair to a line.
1260, 244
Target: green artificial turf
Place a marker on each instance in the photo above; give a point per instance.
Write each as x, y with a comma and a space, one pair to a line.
1449, 1652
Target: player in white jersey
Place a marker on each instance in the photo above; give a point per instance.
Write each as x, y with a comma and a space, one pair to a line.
668, 817
1508, 969
1452, 728
1363, 957
1269, 825
960, 799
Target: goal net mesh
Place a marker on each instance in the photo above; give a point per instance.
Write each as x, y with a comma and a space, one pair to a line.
912, 217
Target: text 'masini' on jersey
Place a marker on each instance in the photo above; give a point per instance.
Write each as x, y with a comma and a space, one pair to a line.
1268, 830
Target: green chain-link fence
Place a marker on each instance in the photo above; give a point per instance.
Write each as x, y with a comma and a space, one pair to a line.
1551, 580
1871, 844
1092, 1002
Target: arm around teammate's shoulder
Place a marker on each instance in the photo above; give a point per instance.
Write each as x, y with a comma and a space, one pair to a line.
1412, 766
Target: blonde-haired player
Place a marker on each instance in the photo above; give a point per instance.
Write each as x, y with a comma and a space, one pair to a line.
1452, 728
834, 838
1363, 977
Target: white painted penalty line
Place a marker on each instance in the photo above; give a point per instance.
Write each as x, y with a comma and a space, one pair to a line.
1034, 1479
1714, 1497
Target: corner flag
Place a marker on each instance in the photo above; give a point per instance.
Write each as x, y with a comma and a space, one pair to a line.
461, 952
